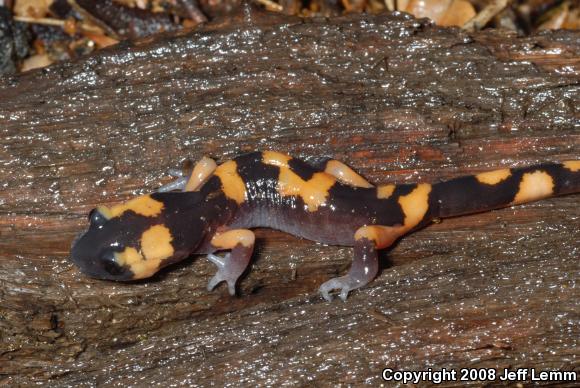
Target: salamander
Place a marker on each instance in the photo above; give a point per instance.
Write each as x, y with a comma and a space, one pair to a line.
215, 207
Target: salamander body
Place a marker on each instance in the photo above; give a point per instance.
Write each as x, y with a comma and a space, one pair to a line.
216, 207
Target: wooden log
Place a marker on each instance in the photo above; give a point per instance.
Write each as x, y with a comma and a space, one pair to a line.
398, 99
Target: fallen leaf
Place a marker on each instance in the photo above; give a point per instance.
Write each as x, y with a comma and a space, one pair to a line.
35, 62
32, 8
442, 12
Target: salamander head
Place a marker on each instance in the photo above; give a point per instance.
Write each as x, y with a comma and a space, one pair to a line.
128, 241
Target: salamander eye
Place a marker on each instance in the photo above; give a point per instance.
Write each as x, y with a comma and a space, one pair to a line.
110, 264
96, 218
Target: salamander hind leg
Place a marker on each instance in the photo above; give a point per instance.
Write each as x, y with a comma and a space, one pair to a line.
234, 263
366, 263
345, 174
340, 171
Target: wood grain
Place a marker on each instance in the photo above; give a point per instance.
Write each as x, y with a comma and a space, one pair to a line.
397, 98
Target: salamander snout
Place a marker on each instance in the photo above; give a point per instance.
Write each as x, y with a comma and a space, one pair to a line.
97, 262
95, 252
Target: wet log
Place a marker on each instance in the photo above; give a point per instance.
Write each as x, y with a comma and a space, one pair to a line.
398, 99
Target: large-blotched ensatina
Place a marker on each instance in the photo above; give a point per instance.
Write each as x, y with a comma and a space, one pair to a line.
216, 206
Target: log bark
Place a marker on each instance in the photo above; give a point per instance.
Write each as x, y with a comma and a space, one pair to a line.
398, 99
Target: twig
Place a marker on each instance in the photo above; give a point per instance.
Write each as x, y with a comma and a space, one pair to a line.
55, 22
270, 5
88, 16
482, 18
193, 10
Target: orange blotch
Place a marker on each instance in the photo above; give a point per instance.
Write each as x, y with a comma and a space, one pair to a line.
313, 192
231, 238
493, 177
415, 205
385, 191
274, 158
534, 185
143, 205
383, 236
572, 165
232, 183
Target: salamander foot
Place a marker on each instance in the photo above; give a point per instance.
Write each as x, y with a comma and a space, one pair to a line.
202, 171
344, 283
177, 184
234, 263
363, 269
225, 273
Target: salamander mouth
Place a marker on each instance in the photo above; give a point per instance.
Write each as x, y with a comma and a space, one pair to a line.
98, 265
76, 240
75, 252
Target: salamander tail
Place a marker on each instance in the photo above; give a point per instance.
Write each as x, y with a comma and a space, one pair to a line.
506, 187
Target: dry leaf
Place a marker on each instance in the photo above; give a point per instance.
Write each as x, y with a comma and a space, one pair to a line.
442, 12
432, 9
458, 13
35, 62
562, 16
32, 8
572, 22
100, 40
70, 26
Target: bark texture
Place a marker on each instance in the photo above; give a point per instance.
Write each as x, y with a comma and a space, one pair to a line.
397, 98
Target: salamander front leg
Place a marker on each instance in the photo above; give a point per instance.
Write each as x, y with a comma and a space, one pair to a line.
202, 171
365, 264
178, 184
233, 264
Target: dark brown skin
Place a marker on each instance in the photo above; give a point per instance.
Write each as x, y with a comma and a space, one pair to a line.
497, 289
